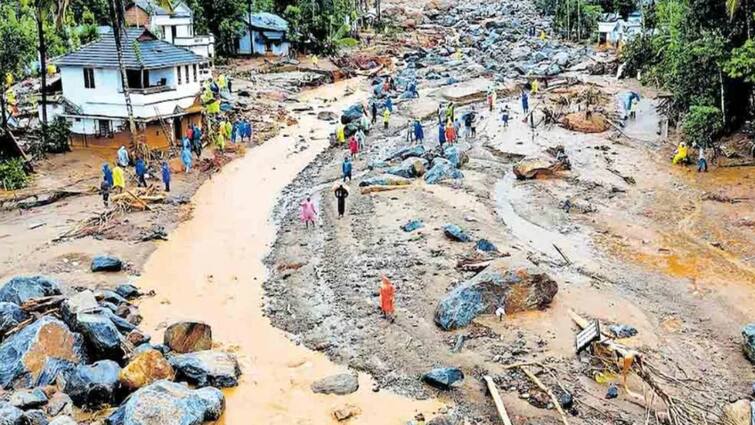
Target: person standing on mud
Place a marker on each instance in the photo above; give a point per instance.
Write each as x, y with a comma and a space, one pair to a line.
107, 174
374, 112
166, 176
141, 170
441, 136
105, 190
353, 146
386, 118
525, 103
702, 162
119, 180
341, 194
505, 116
419, 133
346, 168
196, 136
387, 295
308, 212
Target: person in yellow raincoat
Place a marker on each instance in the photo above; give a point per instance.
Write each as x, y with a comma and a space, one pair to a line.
221, 81
119, 180
535, 86
340, 133
542, 35
227, 129
220, 139
386, 117
681, 153
457, 54
208, 99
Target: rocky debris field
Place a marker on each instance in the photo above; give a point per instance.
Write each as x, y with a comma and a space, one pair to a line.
69, 358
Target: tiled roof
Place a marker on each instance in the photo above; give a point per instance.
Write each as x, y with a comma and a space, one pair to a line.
152, 52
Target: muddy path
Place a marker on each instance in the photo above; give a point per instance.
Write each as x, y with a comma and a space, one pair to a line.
211, 269
618, 239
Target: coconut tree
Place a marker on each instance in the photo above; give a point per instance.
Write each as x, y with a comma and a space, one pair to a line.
117, 18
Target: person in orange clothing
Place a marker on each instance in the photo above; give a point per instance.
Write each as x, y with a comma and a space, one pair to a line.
387, 293
450, 132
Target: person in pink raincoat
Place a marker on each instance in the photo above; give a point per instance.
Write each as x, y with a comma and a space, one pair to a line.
308, 212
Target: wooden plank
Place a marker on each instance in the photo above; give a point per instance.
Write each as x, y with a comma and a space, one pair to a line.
497, 400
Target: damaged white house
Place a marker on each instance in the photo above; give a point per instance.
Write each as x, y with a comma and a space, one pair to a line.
172, 22
164, 81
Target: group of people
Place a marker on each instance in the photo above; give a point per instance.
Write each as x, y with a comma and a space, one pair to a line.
114, 180
681, 156
236, 132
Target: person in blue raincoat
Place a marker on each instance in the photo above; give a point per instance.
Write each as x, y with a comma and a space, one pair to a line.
419, 133
166, 176
525, 102
107, 173
186, 158
141, 170
236, 131
441, 135
389, 104
346, 168
123, 157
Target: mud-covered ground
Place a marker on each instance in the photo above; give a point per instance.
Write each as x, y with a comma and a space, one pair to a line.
641, 246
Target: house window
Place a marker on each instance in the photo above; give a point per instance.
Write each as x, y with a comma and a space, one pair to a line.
195, 73
179, 75
88, 78
104, 128
188, 80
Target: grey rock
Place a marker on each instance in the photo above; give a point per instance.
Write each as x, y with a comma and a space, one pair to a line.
28, 399
94, 386
78, 303
455, 233
10, 316
490, 289
24, 354
106, 263
442, 169
443, 377
748, 341
409, 168
10, 415
341, 384
169, 403
36, 417
207, 368
54, 371
59, 404
411, 151
127, 291
102, 336
23, 288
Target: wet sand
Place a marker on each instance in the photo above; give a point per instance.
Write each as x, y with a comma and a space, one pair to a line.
211, 269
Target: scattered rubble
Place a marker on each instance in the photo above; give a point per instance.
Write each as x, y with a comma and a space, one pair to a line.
748, 343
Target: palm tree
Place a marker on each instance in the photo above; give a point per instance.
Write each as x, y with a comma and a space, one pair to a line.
44, 8
117, 18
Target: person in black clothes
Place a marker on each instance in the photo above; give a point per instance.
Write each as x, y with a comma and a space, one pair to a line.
341, 194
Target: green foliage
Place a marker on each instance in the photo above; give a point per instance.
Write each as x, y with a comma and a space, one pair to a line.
57, 139
702, 124
622, 7
577, 19
741, 64
17, 37
321, 25
222, 18
12, 174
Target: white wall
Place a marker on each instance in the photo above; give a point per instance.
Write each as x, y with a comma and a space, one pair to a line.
184, 26
106, 99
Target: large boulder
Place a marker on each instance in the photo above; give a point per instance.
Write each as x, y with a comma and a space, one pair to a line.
207, 368
23, 355
10, 316
23, 288
533, 167
94, 386
127, 291
498, 285
145, 368
455, 156
441, 170
385, 180
748, 341
455, 233
106, 263
409, 168
443, 377
55, 371
36, 417
59, 404
28, 399
341, 384
404, 153
80, 302
11, 415
169, 403
186, 337
102, 336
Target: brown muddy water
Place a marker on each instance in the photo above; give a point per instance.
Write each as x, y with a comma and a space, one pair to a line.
212, 270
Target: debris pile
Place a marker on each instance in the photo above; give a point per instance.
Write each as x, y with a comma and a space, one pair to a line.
85, 351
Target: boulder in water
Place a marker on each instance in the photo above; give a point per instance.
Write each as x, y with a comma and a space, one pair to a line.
23, 288
455, 233
106, 263
169, 403
443, 377
442, 169
24, 354
207, 368
94, 386
186, 337
500, 284
10, 316
145, 368
341, 384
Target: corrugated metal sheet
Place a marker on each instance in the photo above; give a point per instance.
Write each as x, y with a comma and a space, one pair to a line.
152, 53
267, 21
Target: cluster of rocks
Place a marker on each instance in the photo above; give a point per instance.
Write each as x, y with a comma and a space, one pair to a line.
84, 351
417, 162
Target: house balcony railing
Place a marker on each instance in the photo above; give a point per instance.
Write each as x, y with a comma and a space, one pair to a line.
152, 90
197, 40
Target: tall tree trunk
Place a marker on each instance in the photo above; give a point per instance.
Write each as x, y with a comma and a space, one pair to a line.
116, 16
2, 108
723, 98
42, 68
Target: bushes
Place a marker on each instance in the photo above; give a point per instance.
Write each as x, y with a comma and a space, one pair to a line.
12, 175
702, 124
